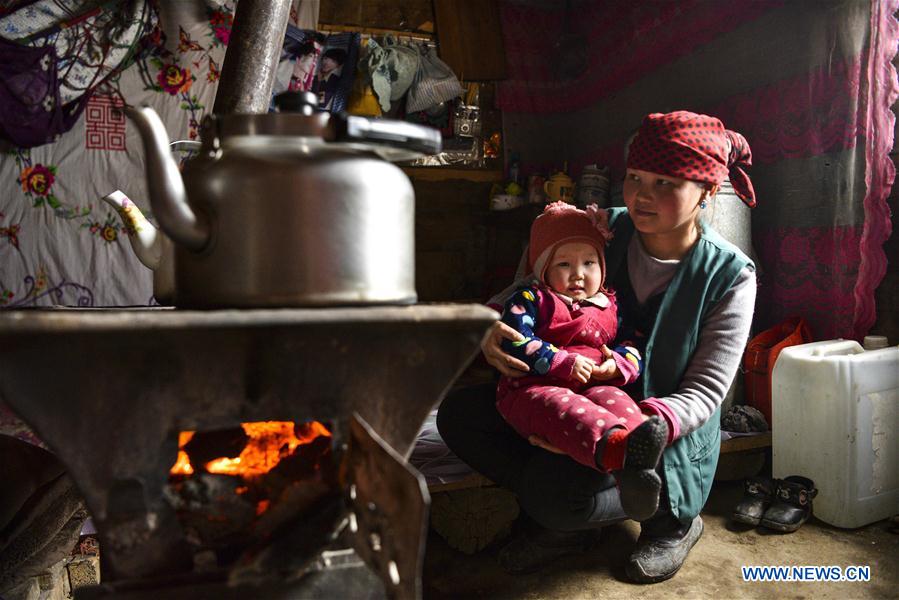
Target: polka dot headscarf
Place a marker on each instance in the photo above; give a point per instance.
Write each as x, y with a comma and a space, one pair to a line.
693, 146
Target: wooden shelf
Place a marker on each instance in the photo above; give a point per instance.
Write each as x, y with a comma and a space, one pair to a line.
475, 480
420, 35
751, 442
449, 173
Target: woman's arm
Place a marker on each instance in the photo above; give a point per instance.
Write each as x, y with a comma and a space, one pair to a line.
711, 371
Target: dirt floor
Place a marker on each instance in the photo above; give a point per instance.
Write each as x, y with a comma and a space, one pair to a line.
712, 570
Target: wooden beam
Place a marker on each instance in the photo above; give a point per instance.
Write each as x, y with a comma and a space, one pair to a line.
448, 173
470, 38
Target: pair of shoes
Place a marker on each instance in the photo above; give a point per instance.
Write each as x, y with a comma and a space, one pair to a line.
780, 504
639, 484
659, 558
533, 549
792, 504
757, 494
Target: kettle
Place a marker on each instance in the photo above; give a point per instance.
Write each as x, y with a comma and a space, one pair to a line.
292, 208
559, 187
153, 249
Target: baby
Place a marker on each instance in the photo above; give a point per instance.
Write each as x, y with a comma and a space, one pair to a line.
570, 398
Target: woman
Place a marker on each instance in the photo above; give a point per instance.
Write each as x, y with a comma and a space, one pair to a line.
692, 295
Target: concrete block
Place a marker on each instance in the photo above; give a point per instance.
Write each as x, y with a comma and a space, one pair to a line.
84, 570
470, 519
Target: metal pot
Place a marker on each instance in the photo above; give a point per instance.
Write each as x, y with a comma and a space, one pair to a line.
294, 208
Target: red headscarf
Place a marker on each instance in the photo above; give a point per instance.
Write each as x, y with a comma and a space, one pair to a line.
695, 147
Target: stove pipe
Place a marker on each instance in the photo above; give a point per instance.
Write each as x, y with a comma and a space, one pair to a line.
251, 60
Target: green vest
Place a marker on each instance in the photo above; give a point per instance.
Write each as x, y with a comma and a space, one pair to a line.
705, 274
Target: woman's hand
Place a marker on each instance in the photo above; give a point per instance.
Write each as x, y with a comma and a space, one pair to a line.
539, 441
607, 369
494, 354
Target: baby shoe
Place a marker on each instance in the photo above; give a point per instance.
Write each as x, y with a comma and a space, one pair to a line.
758, 493
791, 506
639, 484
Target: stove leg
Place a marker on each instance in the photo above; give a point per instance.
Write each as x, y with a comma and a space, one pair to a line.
389, 503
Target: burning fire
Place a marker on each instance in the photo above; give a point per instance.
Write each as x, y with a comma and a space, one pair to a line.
269, 442
182, 465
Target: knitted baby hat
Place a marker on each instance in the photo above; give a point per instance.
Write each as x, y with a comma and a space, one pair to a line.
561, 223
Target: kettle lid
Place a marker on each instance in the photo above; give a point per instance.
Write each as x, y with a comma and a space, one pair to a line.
297, 116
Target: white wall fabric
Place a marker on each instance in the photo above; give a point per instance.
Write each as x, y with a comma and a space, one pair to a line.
59, 243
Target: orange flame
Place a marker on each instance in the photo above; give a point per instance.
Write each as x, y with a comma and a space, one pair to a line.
269, 442
182, 465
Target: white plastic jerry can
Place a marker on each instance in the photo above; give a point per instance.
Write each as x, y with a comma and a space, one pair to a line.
835, 420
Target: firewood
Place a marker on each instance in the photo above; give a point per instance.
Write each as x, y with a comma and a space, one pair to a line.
205, 446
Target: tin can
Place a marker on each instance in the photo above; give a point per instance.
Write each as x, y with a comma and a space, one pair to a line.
536, 195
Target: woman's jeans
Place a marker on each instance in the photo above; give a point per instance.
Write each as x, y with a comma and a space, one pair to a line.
553, 489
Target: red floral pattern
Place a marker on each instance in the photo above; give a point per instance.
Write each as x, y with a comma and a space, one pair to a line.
37, 179
809, 271
221, 22
11, 233
814, 113
37, 183
107, 231
794, 118
174, 80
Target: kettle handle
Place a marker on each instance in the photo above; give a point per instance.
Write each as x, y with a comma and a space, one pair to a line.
415, 140
391, 140
187, 145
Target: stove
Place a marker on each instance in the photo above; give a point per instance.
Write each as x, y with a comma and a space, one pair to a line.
158, 440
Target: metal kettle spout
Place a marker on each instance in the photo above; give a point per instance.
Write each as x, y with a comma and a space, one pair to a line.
168, 196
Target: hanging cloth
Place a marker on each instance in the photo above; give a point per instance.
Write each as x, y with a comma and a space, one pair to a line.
29, 96
434, 83
363, 101
393, 67
52, 58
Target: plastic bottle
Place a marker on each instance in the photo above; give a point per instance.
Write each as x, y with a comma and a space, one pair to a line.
836, 421
514, 166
